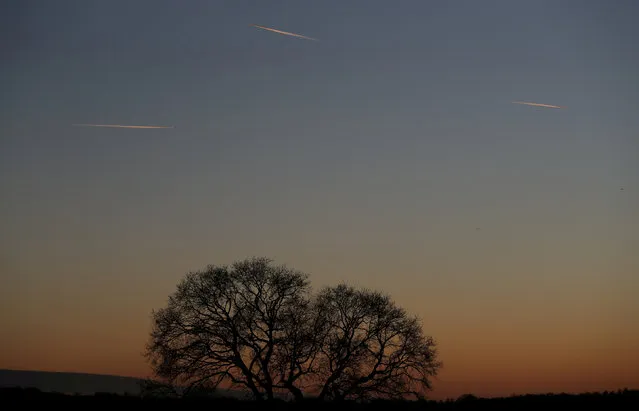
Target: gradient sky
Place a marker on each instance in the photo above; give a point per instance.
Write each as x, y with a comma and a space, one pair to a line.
372, 156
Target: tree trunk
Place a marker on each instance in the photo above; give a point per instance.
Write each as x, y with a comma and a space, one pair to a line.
298, 395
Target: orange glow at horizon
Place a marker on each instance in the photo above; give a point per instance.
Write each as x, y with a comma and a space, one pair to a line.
501, 361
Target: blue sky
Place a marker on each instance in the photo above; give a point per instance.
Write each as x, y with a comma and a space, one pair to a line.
371, 156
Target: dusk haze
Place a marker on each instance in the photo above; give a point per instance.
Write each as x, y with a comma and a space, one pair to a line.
476, 161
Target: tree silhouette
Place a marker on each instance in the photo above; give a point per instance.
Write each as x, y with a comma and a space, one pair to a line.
372, 348
224, 324
296, 357
257, 326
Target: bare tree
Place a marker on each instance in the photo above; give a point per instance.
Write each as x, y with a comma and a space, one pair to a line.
225, 324
297, 359
256, 325
372, 347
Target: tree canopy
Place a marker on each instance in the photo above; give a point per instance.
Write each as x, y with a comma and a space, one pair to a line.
258, 326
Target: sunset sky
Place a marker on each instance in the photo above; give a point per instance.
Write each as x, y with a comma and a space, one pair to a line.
388, 154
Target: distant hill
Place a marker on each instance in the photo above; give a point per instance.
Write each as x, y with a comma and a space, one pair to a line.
69, 382
81, 383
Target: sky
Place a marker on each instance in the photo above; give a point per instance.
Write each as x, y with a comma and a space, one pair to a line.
388, 155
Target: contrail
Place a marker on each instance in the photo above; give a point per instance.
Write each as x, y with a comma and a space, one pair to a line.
286, 33
118, 126
537, 104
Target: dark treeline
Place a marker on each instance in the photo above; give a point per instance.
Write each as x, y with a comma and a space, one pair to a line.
622, 399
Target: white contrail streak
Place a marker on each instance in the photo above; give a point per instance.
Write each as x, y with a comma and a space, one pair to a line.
286, 33
119, 126
536, 104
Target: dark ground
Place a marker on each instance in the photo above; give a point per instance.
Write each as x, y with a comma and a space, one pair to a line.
10, 398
